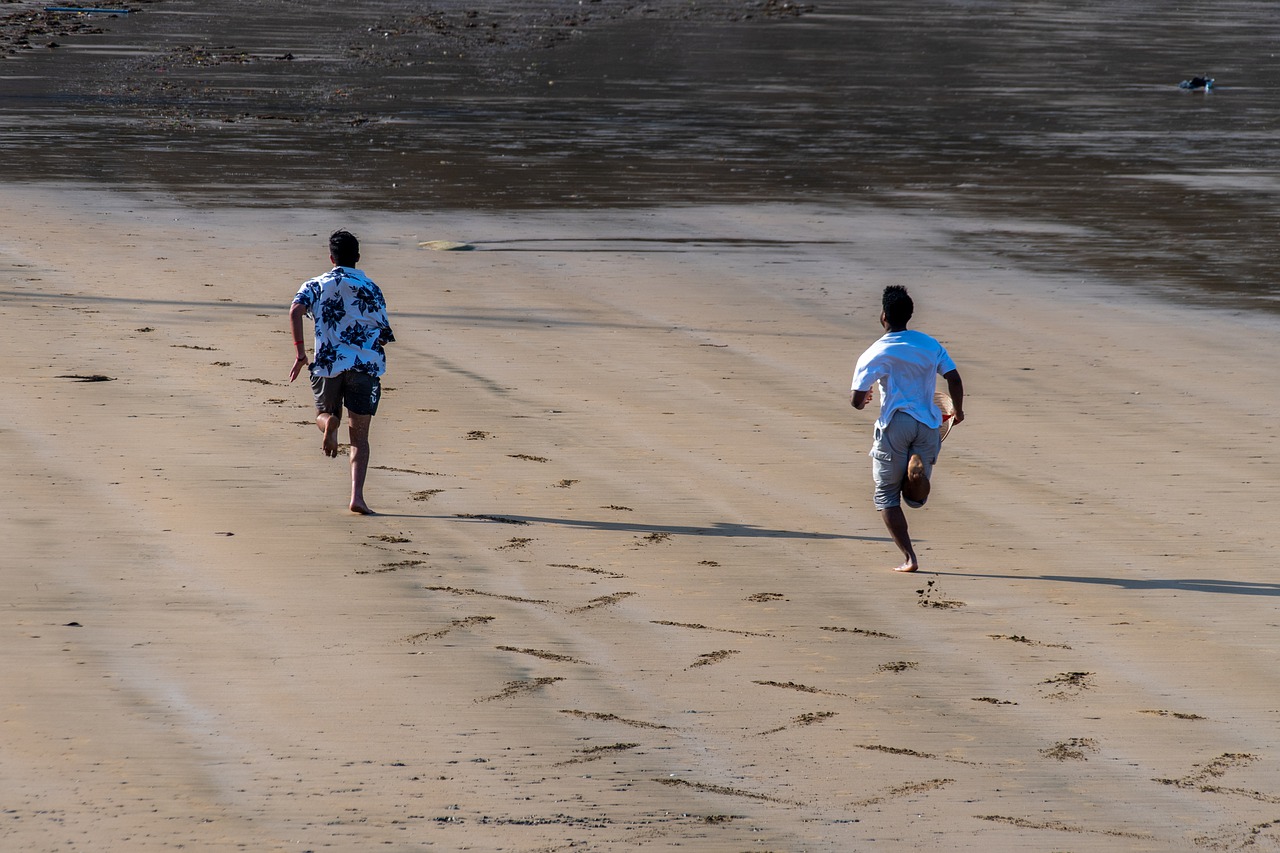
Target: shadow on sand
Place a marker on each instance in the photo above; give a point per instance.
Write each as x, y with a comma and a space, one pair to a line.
719, 528
1178, 584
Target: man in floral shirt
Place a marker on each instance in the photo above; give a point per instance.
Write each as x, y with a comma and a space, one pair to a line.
351, 329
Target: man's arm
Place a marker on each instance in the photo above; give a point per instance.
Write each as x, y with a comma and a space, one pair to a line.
859, 399
296, 312
955, 389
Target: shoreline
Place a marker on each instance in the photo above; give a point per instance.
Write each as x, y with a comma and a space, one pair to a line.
694, 636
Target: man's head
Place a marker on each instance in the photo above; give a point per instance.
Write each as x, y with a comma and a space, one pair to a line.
344, 248
898, 307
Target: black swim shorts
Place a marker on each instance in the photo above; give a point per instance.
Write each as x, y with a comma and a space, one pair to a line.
356, 390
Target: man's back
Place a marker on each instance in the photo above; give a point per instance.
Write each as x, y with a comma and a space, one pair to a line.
906, 364
350, 322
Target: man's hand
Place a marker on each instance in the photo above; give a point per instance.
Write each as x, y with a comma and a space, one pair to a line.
859, 399
299, 363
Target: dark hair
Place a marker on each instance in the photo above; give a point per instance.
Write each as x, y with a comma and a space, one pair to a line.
344, 247
898, 306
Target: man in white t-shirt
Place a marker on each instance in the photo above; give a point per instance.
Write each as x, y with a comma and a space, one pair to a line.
905, 365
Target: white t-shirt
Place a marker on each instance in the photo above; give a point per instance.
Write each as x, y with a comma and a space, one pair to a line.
906, 365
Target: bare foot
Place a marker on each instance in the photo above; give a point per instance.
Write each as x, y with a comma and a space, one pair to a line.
330, 445
917, 486
362, 508
907, 567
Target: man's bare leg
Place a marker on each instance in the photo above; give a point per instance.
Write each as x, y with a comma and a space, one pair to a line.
328, 424
359, 429
896, 520
915, 487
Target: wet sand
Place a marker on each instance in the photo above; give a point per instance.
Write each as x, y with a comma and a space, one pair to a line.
1055, 114
626, 589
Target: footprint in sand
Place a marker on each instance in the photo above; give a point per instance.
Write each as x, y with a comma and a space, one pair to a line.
541, 654
452, 626
456, 591
906, 791
594, 753
710, 658
1059, 826
898, 666
1202, 777
1067, 685
1018, 638
721, 789
602, 601
699, 627
515, 688
803, 688
391, 567
612, 718
1071, 750
1241, 836
802, 720
1176, 715
590, 569
863, 631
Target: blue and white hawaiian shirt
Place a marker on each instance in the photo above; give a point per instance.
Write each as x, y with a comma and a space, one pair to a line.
351, 322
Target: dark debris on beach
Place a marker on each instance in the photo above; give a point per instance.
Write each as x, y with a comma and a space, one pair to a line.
402, 40
232, 75
31, 26
36, 29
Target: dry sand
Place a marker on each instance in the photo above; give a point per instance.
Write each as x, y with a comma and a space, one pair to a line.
627, 589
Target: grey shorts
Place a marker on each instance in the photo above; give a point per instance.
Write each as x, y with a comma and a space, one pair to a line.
892, 450
356, 390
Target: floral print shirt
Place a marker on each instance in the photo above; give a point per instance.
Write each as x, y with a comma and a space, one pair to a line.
351, 322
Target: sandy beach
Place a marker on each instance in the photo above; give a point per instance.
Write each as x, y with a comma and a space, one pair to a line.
626, 589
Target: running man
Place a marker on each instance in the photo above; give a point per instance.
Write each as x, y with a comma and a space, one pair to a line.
351, 329
905, 364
